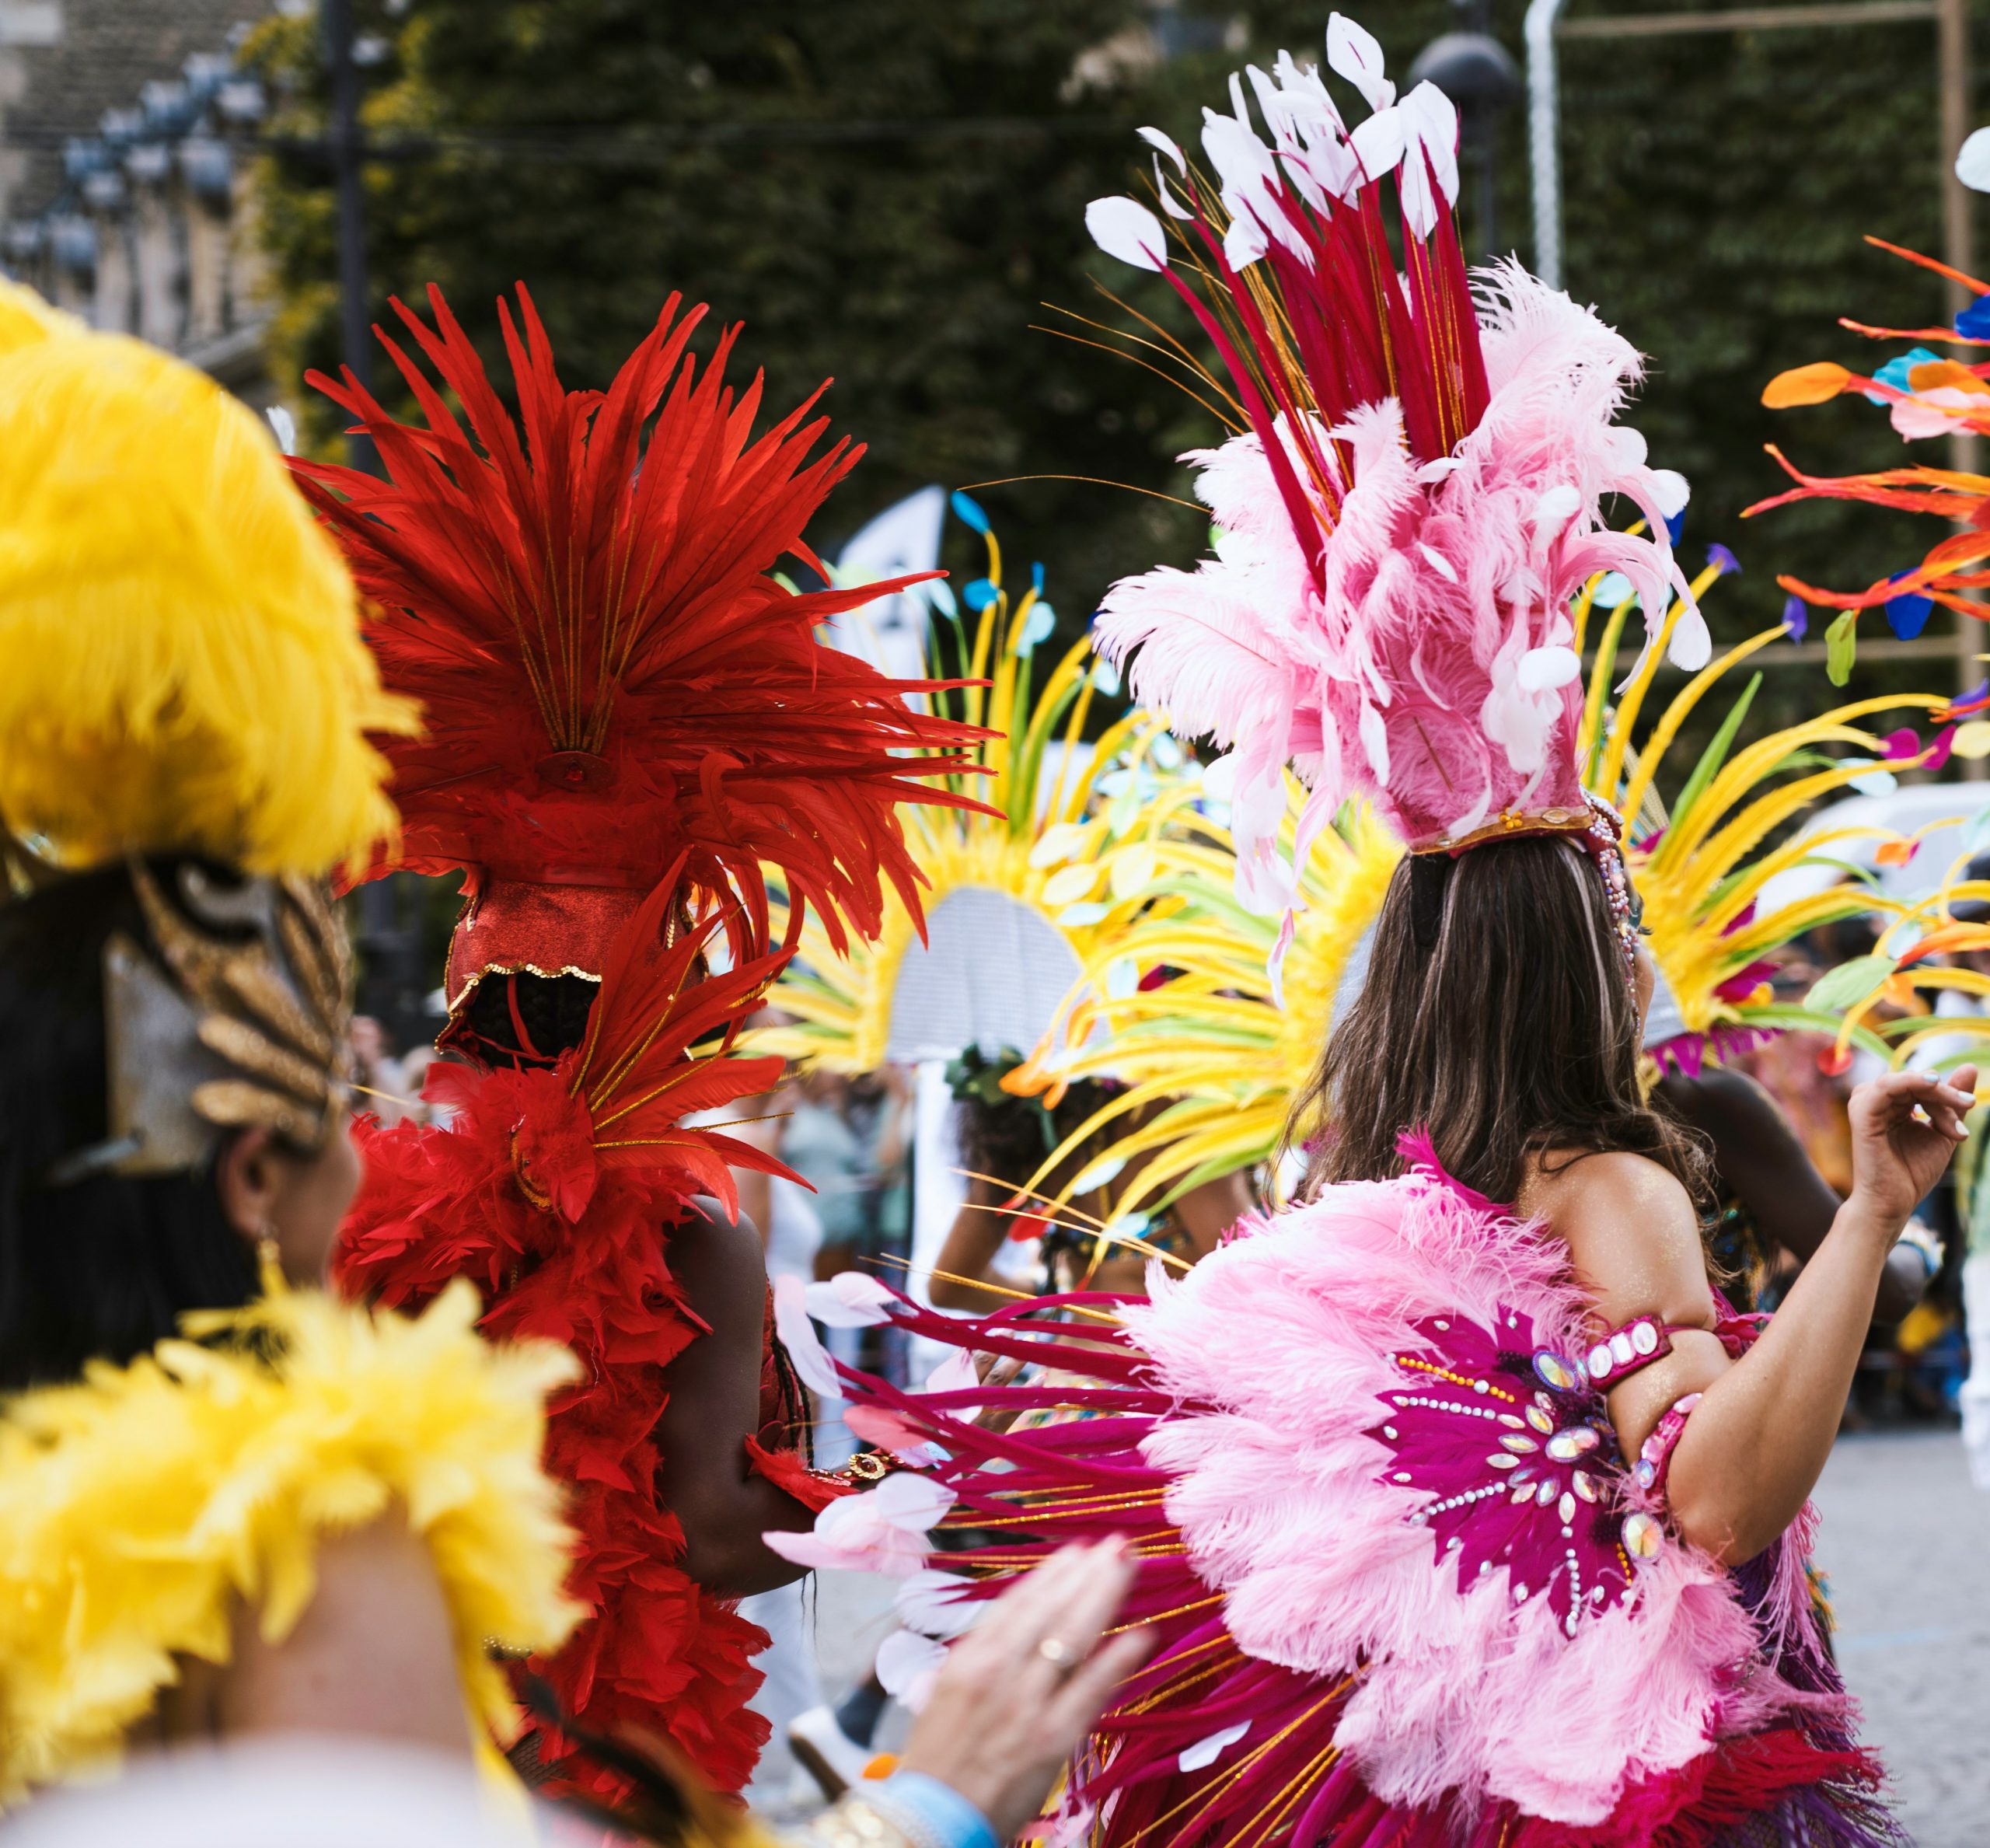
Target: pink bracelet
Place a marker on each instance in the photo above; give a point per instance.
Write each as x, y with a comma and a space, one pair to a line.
1655, 1454
1625, 1350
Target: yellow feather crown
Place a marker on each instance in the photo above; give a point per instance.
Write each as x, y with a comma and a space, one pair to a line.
184, 668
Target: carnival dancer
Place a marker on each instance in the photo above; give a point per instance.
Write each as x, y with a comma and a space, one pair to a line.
1467, 1516
1218, 1053
627, 719
229, 1504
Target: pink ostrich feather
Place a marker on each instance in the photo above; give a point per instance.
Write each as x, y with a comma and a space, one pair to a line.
1427, 665
1290, 1333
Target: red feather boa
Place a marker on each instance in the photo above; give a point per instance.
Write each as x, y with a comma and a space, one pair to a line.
555, 1192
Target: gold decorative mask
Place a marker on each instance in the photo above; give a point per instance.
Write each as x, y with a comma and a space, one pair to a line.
235, 1015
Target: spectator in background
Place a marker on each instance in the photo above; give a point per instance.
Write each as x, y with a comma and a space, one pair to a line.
378, 1077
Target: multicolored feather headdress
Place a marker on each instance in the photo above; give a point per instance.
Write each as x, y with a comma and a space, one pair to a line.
1214, 1056
612, 681
1413, 492
1925, 394
1018, 893
187, 692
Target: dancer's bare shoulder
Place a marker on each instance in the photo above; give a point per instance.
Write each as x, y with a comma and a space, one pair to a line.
1632, 1234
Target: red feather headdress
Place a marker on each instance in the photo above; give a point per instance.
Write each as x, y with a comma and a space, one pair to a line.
611, 680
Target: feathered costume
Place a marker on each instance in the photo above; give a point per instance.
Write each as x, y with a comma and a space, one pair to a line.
189, 686
140, 1506
1407, 1593
1925, 395
627, 719
1016, 894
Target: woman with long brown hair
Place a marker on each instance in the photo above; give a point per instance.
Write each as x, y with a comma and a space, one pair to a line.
1469, 1516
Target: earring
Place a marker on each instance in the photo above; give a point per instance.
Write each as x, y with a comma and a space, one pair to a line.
269, 1256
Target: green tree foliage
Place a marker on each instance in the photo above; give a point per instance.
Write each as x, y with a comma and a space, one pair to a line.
882, 191
885, 190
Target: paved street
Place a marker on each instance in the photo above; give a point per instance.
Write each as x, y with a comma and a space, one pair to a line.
1906, 1542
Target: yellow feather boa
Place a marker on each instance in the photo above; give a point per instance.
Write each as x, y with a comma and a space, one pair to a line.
136, 1506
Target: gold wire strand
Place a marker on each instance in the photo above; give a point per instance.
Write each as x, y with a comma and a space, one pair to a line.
1168, 346
1173, 1690
995, 1180
1185, 1610
385, 1097
1153, 494
1213, 1792
1287, 1798
1190, 357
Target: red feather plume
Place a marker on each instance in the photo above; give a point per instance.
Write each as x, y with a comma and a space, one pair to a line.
560, 1192
610, 678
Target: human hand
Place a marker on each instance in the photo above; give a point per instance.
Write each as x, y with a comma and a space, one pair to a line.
998, 1370
1904, 1127
1021, 1688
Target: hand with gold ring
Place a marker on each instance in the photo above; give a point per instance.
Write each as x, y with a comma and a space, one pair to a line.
1021, 1689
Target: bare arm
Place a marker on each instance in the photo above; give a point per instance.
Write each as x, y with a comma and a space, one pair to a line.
1756, 1444
373, 1653
715, 1407
972, 1241
1761, 1159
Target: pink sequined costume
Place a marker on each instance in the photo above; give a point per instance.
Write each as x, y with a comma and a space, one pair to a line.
1407, 1593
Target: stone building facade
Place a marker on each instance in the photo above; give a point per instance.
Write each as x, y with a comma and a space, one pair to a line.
122, 188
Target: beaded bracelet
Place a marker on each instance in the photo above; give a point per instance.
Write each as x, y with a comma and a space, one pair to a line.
1655, 1455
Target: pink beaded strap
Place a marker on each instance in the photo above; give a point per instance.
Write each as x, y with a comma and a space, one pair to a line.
1655, 1454
1626, 1350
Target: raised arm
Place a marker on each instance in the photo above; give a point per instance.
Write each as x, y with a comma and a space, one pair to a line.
1763, 1164
715, 1407
972, 1241
1755, 1444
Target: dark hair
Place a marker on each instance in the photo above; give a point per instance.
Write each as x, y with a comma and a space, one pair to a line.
525, 1020
104, 1267
1008, 1138
1496, 1014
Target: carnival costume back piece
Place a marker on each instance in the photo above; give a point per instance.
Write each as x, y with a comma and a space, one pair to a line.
185, 701
1405, 1589
628, 719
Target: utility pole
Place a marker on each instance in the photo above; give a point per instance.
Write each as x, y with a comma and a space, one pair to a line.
1959, 253
355, 329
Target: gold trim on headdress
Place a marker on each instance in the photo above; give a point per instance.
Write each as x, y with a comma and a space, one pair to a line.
233, 1014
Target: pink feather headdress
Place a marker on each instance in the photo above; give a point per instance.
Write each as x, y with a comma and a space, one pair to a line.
1413, 493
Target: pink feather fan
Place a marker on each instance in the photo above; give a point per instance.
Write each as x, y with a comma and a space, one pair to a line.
1415, 490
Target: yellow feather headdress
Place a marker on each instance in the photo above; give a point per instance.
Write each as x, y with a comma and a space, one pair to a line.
184, 668
1213, 1038
1026, 889
1697, 861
